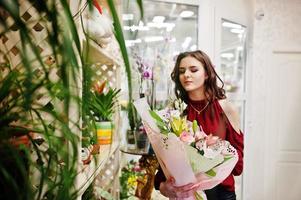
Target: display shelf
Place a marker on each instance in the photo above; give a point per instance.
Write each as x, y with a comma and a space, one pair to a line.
89, 172
138, 152
108, 178
105, 61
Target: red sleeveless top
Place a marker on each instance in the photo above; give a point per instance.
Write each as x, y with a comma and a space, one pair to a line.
214, 121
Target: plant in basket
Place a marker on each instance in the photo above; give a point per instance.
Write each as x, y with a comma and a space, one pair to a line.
132, 118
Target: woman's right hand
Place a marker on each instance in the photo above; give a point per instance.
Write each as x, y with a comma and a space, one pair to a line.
169, 189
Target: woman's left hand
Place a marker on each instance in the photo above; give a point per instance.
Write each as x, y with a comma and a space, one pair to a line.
169, 189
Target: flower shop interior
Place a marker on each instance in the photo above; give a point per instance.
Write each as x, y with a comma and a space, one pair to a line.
70, 70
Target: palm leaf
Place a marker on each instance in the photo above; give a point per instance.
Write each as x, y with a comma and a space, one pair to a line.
121, 41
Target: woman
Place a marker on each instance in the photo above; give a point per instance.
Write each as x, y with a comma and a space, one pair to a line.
196, 83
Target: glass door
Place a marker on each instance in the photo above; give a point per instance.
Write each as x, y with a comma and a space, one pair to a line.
233, 63
153, 42
233, 72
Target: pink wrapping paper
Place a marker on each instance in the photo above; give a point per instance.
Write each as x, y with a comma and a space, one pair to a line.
173, 158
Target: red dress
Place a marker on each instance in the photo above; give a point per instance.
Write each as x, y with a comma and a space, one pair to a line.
214, 121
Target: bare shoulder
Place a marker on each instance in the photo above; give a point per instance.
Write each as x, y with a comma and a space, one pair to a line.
232, 113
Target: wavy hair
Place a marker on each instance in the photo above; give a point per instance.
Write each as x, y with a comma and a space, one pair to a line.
212, 90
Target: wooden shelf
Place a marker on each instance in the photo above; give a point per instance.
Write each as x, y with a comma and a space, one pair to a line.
88, 173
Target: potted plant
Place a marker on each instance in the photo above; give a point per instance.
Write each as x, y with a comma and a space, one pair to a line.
14, 139
41, 73
142, 141
102, 105
56, 162
130, 133
136, 135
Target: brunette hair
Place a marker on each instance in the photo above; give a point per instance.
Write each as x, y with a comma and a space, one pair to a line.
212, 90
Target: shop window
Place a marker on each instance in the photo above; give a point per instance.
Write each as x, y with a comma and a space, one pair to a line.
154, 42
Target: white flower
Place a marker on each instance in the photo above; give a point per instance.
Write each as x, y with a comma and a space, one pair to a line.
175, 113
214, 149
211, 152
179, 105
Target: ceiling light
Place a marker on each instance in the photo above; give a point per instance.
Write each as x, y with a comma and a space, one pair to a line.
227, 55
153, 38
158, 19
127, 17
130, 43
173, 39
133, 41
168, 26
239, 48
176, 53
135, 28
238, 31
193, 47
231, 25
141, 23
186, 42
186, 13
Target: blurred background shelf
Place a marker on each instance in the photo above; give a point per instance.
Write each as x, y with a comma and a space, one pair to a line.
89, 172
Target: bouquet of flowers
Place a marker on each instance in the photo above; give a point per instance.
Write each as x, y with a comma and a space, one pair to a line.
182, 146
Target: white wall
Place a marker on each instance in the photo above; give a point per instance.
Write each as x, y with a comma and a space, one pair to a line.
274, 159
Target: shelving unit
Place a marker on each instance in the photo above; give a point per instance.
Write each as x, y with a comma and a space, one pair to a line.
108, 56
89, 172
105, 61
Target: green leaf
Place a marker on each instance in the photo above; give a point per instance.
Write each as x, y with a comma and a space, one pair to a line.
103, 104
121, 41
6, 85
227, 158
198, 196
194, 126
70, 23
160, 123
211, 173
155, 116
140, 4
200, 163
